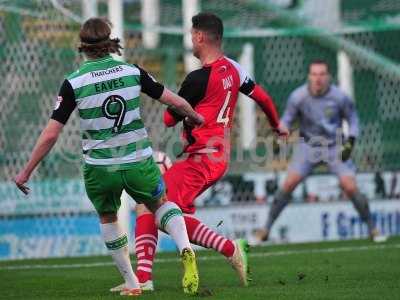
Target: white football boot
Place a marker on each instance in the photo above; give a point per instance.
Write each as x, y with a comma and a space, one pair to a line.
239, 261
145, 286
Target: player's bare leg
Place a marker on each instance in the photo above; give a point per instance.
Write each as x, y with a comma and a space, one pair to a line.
360, 202
282, 198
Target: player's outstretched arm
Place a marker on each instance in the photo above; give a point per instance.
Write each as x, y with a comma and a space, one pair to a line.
44, 144
182, 107
176, 103
251, 89
264, 100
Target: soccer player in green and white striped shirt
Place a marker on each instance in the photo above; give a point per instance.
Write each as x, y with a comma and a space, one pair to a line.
116, 148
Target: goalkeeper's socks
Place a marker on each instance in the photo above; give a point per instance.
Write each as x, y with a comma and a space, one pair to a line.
361, 204
201, 235
169, 218
146, 236
117, 244
281, 200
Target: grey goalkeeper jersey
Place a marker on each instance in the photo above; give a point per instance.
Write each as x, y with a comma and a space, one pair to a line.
321, 116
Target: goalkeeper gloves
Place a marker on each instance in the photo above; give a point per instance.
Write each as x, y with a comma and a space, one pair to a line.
347, 148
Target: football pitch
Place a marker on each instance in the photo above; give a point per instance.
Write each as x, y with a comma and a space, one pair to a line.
331, 270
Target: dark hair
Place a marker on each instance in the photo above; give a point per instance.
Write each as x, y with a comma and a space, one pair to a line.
210, 24
95, 38
319, 61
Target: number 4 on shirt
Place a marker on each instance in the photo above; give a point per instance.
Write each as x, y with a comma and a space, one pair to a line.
223, 115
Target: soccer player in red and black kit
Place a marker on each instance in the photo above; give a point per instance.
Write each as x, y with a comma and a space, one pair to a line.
213, 92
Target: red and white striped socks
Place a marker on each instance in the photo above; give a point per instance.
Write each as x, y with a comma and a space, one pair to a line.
204, 236
146, 236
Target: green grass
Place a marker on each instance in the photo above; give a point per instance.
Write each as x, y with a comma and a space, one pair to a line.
334, 270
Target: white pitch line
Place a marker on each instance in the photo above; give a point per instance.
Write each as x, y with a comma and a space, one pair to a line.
208, 258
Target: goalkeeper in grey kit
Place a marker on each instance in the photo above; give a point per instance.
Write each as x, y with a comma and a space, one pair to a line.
320, 108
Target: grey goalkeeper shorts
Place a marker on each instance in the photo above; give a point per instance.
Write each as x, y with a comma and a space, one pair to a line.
305, 158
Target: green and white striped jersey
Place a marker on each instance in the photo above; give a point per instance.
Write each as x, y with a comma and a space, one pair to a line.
107, 94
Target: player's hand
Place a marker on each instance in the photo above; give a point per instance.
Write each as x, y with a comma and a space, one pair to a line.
193, 122
347, 148
20, 181
282, 131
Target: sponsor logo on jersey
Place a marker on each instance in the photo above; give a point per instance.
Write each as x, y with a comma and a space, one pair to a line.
106, 72
58, 102
329, 112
